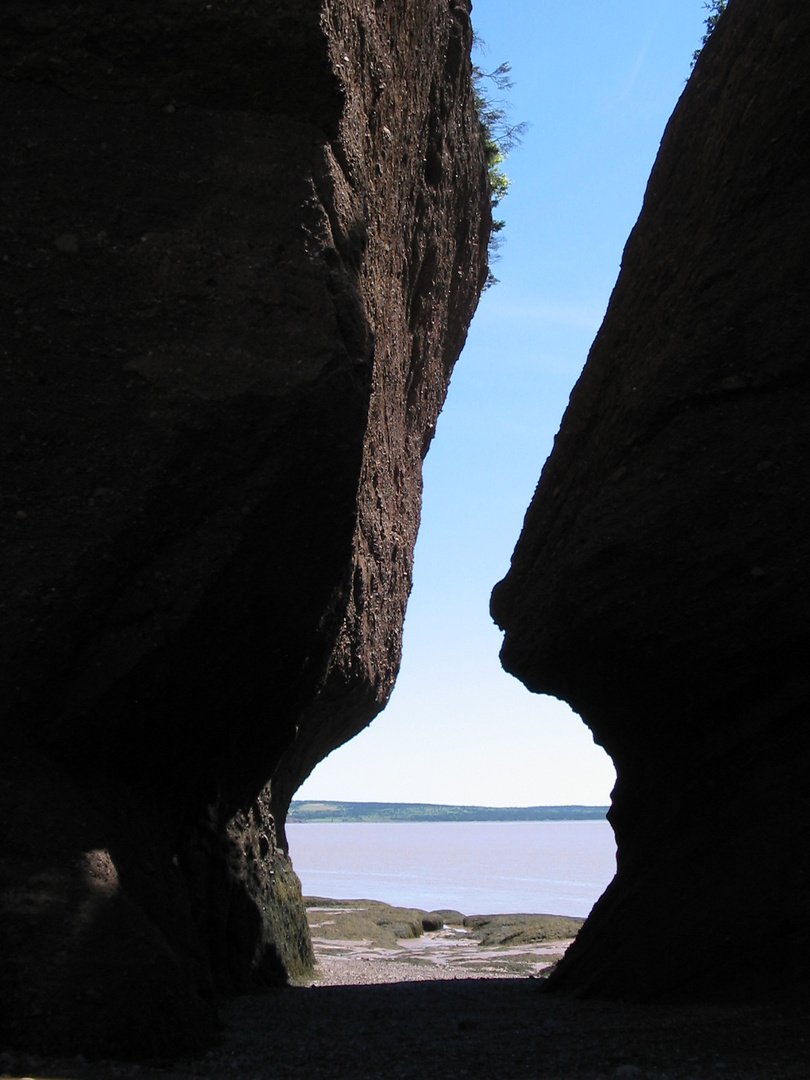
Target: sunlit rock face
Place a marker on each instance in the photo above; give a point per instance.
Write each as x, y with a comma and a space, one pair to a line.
242, 245
661, 581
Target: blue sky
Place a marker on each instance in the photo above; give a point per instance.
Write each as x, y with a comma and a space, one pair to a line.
597, 83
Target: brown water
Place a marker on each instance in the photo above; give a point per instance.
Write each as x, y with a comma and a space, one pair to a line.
486, 867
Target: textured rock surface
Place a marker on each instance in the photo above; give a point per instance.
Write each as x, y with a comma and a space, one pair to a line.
241, 245
661, 581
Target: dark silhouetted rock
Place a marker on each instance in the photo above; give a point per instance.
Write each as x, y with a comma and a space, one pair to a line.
661, 584
241, 246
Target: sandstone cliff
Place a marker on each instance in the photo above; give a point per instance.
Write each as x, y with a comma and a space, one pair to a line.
241, 247
660, 584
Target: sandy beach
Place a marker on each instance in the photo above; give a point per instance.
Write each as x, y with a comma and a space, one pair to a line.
400, 994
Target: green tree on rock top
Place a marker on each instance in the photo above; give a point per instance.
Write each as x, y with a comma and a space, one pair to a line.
715, 9
500, 136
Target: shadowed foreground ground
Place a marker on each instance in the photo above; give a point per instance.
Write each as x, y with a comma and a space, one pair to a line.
485, 1028
457, 1013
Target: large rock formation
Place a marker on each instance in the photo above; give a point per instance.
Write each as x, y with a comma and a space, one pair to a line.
241, 247
661, 584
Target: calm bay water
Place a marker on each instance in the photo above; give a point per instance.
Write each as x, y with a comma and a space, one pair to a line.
482, 867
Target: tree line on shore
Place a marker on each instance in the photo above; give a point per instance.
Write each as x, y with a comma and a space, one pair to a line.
309, 811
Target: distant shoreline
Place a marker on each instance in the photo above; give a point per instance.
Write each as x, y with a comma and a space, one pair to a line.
304, 811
